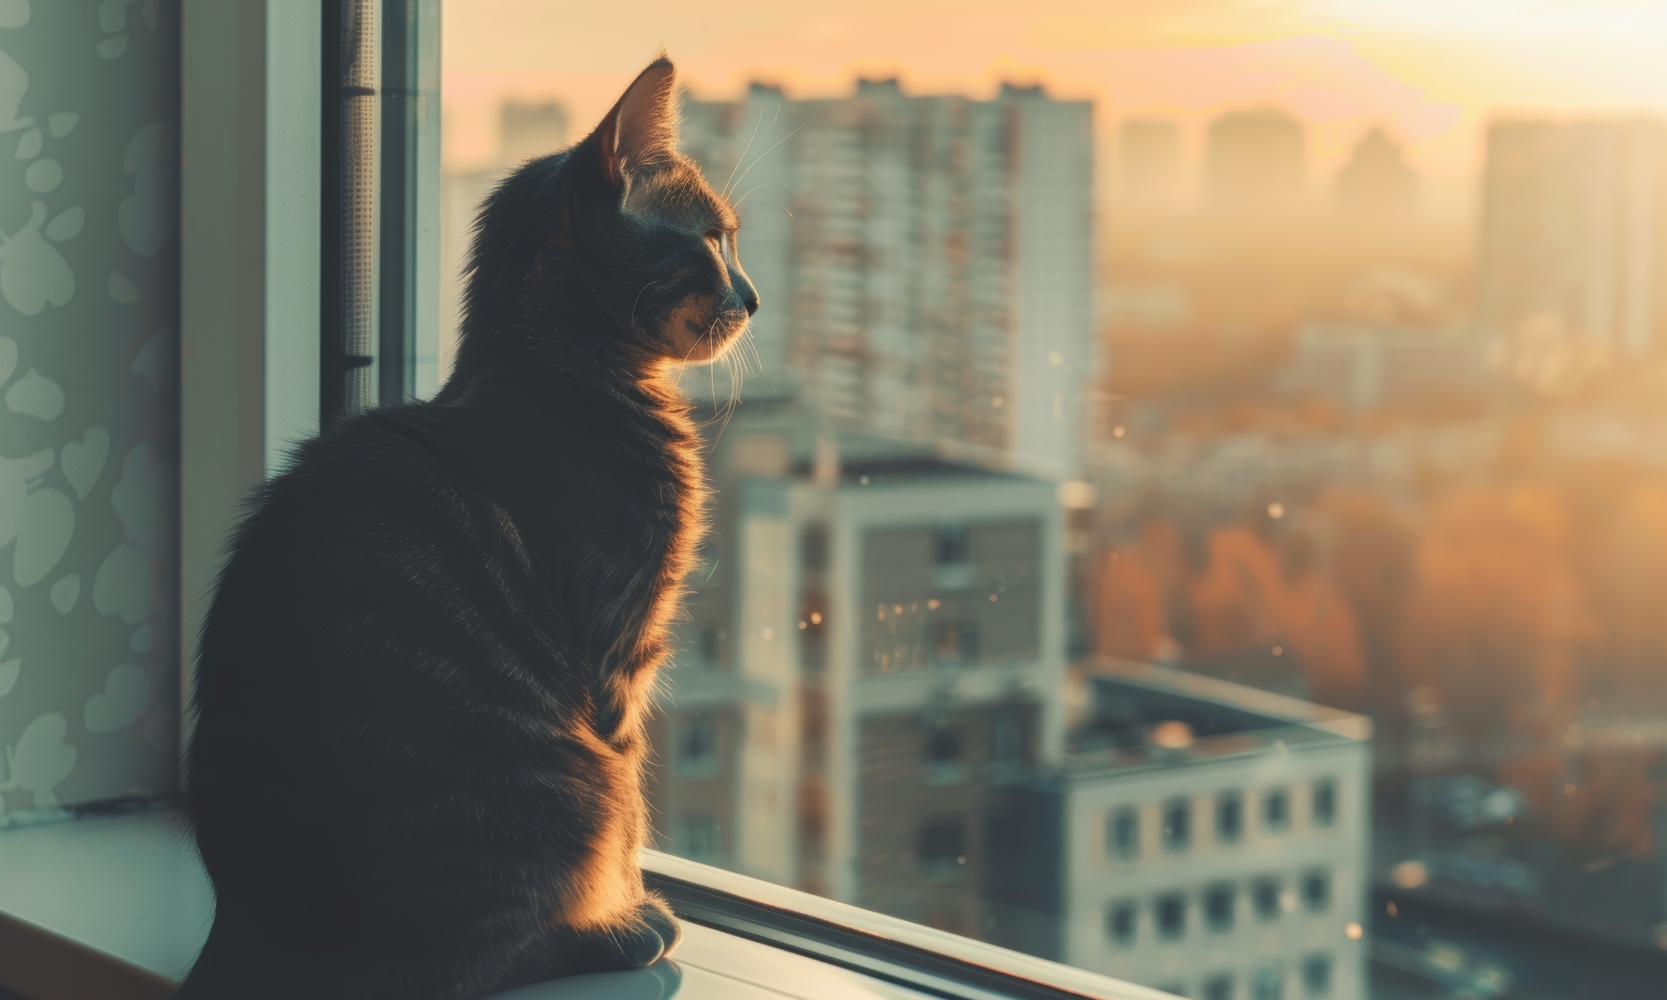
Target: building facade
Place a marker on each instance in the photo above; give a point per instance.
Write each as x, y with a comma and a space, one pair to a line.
925, 262
1212, 840
1573, 246
882, 658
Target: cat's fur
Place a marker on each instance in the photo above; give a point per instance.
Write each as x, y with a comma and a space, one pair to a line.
420, 696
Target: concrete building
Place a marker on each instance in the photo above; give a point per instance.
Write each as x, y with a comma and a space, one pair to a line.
874, 652
1364, 366
1377, 185
1573, 245
1207, 839
1150, 173
1256, 164
925, 262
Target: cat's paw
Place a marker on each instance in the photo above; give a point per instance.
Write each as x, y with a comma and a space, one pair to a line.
650, 935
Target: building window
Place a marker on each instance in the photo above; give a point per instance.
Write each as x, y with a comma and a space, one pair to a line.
1123, 835
695, 837
1316, 890
1229, 817
1325, 802
813, 548
943, 848
1276, 810
1177, 824
1218, 906
695, 753
1010, 737
1267, 983
1120, 921
954, 643
943, 756
952, 558
1218, 987
1264, 896
1316, 975
1171, 914
711, 646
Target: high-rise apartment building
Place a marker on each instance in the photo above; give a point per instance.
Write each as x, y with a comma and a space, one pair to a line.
1256, 163
1574, 233
1377, 184
924, 262
1150, 175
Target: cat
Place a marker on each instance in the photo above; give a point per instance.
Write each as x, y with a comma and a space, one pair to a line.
421, 688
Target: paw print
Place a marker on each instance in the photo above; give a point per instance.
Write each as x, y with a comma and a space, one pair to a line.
112, 17
33, 273
40, 760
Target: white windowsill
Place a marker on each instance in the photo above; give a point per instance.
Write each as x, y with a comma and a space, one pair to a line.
128, 893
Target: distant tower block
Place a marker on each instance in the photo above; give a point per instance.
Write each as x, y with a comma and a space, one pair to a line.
1149, 166
1376, 183
1256, 163
531, 130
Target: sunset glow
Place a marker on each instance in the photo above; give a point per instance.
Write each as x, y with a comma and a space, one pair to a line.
1430, 71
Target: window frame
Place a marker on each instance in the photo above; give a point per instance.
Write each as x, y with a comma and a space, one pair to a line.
895, 951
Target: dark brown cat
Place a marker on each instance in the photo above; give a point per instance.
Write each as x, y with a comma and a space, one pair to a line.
419, 741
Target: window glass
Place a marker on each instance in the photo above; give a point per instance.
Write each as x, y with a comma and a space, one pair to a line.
943, 848
1219, 900
1218, 987
1120, 921
1316, 975
1267, 896
1123, 834
1169, 913
1324, 808
1177, 824
1276, 810
1150, 402
696, 748
1229, 817
1267, 983
1316, 890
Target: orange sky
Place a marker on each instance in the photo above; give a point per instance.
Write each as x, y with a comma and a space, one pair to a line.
1432, 70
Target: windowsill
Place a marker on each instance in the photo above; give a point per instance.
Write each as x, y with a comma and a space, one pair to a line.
117, 909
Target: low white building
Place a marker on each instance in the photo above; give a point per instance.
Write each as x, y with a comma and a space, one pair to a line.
1213, 840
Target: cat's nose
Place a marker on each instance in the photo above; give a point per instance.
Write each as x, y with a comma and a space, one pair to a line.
749, 294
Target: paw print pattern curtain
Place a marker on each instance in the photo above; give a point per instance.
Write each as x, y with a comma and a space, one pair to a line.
89, 278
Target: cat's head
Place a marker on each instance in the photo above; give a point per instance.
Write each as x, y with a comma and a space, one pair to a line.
629, 222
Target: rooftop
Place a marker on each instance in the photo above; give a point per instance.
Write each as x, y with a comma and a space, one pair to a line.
1143, 716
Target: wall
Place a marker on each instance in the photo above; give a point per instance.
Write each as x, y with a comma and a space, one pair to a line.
89, 275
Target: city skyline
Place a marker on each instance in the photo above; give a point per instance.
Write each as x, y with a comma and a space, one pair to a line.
1432, 77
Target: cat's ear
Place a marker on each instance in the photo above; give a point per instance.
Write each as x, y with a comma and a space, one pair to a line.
641, 130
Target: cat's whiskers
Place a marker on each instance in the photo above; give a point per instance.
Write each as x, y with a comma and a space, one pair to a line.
745, 150
767, 152
636, 302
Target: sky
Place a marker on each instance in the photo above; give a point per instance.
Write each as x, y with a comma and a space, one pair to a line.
1432, 71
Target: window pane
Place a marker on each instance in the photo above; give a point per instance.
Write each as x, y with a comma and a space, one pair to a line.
1177, 824
1229, 817
1209, 459
1219, 901
1123, 840
1170, 915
